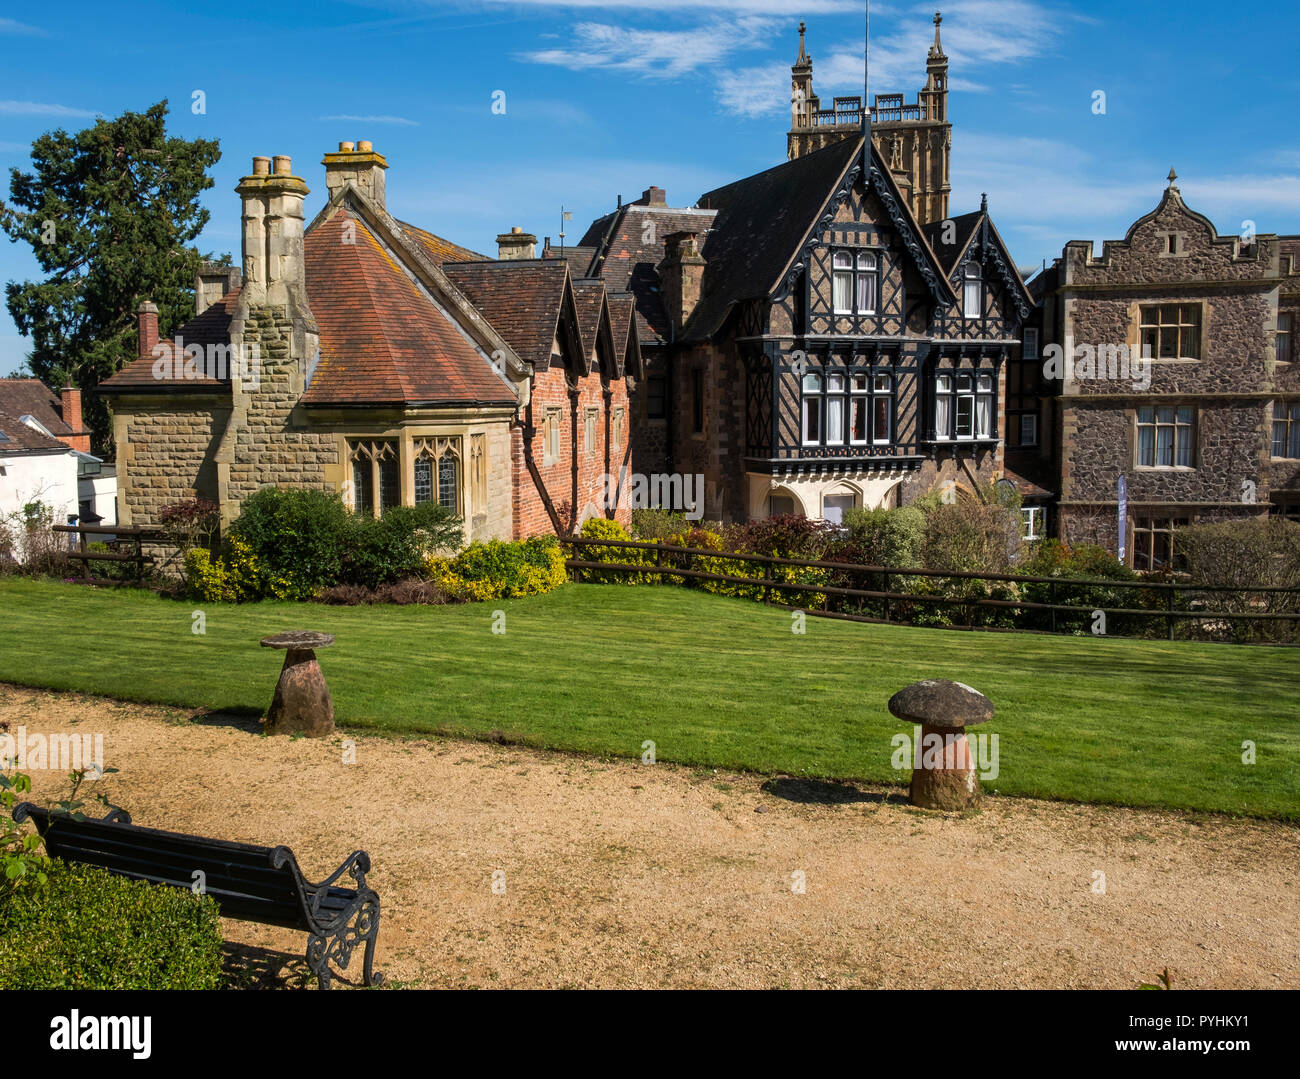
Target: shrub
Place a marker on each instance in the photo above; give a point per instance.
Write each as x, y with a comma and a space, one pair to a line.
655, 524
84, 928
788, 535
188, 524
1052, 558
968, 536
1242, 555
887, 537
380, 550
21, 860
603, 528
235, 576
498, 569
297, 535
400, 593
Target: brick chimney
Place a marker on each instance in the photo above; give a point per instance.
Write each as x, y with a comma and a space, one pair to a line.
146, 321
273, 230
653, 196
71, 415
211, 283
681, 274
516, 244
358, 164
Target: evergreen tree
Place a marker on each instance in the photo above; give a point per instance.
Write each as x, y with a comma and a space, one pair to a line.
110, 213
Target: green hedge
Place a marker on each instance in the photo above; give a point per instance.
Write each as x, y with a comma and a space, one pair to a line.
87, 929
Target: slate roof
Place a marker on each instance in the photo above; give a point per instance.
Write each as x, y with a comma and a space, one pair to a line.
521, 298
20, 440
31, 397
761, 222
628, 243
578, 258
589, 299
964, 227
382, 339
627, 351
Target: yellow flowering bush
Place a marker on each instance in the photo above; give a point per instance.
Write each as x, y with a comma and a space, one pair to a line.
234, 577
497, 569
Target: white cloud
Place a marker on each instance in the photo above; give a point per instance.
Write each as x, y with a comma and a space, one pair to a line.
402, 120
713, 7
1045, 192
665, 54
41, 108
21, 29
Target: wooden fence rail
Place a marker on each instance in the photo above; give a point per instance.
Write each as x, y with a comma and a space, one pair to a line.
1168, 593
81, 552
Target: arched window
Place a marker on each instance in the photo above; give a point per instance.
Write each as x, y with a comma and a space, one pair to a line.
972, 296
842, 282
868, 289
437, 471
812, 410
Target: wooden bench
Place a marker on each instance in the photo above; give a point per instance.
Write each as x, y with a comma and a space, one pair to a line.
249, 883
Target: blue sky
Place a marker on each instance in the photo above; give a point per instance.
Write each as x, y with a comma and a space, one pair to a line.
603, 99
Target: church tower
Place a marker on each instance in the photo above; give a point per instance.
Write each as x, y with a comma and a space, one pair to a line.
915, 139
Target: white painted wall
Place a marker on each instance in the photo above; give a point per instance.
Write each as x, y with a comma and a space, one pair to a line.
46, 477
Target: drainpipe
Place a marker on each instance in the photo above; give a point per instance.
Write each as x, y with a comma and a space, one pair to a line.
528, 432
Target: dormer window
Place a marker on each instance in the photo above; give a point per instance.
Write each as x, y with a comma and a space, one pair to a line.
972, 295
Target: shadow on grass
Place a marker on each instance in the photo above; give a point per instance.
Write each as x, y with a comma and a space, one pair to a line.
244, 719
823, 792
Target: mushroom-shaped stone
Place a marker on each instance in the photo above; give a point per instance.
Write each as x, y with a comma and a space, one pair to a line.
943, 767
302, 703
940, 702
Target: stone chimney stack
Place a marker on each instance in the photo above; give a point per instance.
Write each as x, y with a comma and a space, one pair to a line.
146, 321
681, 274
358, 164
273, 235
211, 283
516, 244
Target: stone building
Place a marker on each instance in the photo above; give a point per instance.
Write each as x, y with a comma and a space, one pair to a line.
820, 335
367, 356
1174, 369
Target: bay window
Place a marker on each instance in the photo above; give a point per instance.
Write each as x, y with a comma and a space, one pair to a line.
834, 410
883, 408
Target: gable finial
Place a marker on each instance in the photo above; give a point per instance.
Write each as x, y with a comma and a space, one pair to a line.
1173, 176
866, 81
984, 202
802, 58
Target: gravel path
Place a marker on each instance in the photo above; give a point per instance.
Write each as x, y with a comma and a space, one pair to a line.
619, 874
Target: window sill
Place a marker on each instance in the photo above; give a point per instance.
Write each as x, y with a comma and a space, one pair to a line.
1165, 468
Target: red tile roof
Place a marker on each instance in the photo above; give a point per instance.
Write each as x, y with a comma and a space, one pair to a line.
626, 352
589, 298
382, 338
437, 248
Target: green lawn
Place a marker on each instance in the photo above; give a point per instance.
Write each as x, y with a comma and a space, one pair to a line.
712, 681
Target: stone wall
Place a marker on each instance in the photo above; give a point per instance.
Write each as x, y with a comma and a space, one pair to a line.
166, 453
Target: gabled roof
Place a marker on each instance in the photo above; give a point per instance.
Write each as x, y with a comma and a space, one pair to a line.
963, 228
524, 299
765, 221
31, 397
19, 439
383, 339
627, 345
578, 258
594, 324
211, 327
627, 246
968, 228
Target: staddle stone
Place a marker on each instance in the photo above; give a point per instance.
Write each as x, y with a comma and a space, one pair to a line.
943, 766
302, 703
